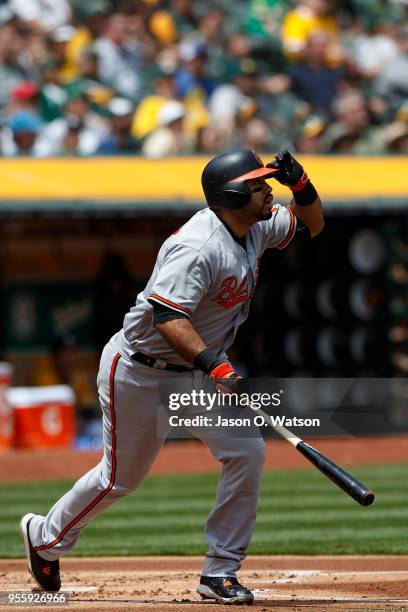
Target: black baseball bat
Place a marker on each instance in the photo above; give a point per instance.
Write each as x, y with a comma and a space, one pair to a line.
350, 485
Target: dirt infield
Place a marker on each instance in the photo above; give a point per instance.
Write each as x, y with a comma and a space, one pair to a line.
194, 457
279, 583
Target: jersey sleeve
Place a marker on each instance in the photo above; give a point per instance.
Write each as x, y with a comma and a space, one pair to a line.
182, 281
280, 228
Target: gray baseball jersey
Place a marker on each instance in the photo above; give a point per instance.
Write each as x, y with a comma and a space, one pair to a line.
202, 272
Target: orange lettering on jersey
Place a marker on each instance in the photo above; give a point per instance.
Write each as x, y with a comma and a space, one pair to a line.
232, 294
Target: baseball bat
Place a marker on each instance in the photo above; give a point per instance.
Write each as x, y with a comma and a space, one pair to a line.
350, 485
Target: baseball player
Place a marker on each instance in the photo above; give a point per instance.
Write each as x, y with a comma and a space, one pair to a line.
177, 332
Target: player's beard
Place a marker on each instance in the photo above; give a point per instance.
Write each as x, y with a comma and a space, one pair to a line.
265, 215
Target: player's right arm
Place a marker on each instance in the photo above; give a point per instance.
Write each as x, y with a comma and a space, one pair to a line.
183, 280
182, 337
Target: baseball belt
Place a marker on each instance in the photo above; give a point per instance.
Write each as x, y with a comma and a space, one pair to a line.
158, 363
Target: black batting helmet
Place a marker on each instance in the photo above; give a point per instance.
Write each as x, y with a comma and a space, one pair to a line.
223, 178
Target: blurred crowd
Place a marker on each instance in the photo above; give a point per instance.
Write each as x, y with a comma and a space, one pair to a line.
181, 77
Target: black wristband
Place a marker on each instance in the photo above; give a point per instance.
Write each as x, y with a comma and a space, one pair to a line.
207, 360
306, 196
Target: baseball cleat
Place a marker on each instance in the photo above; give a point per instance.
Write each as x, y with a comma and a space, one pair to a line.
224, 589
45, 573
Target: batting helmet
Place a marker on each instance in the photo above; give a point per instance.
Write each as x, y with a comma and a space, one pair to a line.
223, 178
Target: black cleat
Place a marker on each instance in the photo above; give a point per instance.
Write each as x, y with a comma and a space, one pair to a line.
45, 573
225, 589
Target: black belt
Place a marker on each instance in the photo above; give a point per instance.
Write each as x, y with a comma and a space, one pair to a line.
159, 364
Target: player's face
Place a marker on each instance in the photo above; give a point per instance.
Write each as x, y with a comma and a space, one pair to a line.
260, 204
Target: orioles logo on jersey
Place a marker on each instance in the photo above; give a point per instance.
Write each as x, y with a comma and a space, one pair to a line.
232, 293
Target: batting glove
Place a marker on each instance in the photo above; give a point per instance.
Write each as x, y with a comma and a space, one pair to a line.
291, 173
225, 379
221, 373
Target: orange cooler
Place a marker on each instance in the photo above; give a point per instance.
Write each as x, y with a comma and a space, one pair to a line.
44, 417
6, 413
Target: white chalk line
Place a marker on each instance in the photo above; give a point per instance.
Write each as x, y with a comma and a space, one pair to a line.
259, 593
290, 577
68, 588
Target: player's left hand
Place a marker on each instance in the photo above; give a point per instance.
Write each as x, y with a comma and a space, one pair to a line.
290, 171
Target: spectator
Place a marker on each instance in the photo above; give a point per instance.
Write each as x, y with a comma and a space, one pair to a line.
145, 117
92, 14
264, 18
211, 30
57, 42
119, 140
45, 15
309, 16
91, 17
192, 78
170, 25
87, 80
119, 58
263, 24
312, 79
238, 51
211, 139
248, 92
210, 26
340, 138
163, 28
24, 97
352, 131
137, 14
309, 135
257, 135
167, 59
228, 100
374, 49
20, 135
78, 132
396, 137
15, 64
171, 138
53, 94
392, 82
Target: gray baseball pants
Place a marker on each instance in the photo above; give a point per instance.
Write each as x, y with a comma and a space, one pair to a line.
129, 397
